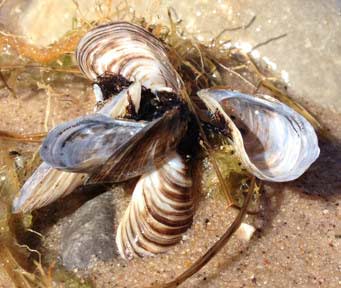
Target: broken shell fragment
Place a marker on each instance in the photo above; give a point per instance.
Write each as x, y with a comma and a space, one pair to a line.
274, 142
125, 49
160, 211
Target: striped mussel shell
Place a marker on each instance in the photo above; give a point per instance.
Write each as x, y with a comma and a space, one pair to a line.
45, 186
274, 142
125, 49
160, 211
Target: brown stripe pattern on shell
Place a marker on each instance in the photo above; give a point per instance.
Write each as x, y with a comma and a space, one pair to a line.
45, 186
128, 50
160, 211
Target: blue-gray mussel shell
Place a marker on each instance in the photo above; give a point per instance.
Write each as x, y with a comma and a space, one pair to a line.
85, 143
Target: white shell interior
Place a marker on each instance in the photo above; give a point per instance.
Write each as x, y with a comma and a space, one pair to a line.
274, 142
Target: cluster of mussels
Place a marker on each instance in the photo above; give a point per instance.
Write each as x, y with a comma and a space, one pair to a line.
139, 125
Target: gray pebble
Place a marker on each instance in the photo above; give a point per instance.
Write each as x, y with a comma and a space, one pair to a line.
88, 233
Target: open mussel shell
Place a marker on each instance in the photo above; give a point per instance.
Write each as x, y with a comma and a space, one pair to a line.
274, 142
160, 211
125, 49
47, 184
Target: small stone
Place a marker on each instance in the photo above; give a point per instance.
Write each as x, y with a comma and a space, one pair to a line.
245, 231
88, 233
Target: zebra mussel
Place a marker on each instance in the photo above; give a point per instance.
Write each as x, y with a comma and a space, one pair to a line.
140, 131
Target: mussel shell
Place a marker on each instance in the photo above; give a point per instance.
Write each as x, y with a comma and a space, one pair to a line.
160, 211
274, 142
44, 187
85, 143
125, 49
